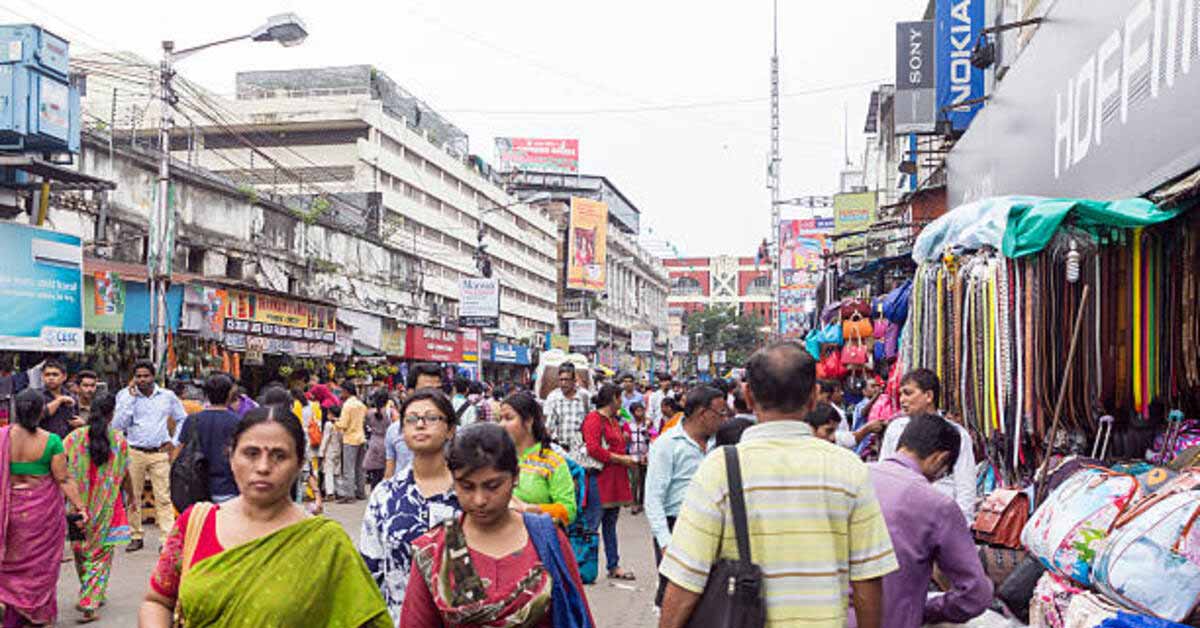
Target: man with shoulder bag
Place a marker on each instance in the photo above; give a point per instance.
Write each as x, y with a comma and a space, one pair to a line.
733, 559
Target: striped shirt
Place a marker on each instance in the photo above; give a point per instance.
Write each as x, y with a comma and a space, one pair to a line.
814, 524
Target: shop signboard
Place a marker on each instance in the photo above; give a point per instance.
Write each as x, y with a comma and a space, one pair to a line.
392, 337
642, 340
41, 287
537, 154
479, 302
510, 354
959, 25
853, 212
557, 341
103, 302
587, 245
288, 326
1104, 97
582, 332
433, 344
470, 345
718, 357
916, 93
680, 344
702, 362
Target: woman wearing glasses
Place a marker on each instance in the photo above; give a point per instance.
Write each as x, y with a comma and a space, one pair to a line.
416, 498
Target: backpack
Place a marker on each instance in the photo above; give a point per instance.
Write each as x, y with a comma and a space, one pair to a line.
1070, 526
1151, 561
189, 472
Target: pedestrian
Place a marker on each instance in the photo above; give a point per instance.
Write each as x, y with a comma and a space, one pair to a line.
672, 413
920, 393
629, 392
144, 415
379, 418
606, 444
266, 561
33, 481
60, 404
98, 458
544, 484
674, 459
214, 426
419, 496
331, 456
462, 405
351, 426
83, 401
638, 433
832, 525
243, 403
311, 418
926, 531
492, 566
831, 395
424, 375
654, 402
823, 419
318, 391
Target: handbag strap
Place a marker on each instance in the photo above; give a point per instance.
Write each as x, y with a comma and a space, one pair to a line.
737, 503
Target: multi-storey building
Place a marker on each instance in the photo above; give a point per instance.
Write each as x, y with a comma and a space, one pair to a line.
349, 144
701, 282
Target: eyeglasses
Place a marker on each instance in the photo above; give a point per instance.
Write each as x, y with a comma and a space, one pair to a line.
413, 419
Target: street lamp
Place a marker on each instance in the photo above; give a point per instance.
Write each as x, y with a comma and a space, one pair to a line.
285, 28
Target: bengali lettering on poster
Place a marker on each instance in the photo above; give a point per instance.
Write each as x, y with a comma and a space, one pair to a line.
537, 154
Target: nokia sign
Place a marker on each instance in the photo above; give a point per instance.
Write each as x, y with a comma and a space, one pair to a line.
1100, 104
959, 24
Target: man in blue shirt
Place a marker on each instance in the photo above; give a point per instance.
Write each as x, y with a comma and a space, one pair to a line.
214, 425
143, 413
629, 393
674, 458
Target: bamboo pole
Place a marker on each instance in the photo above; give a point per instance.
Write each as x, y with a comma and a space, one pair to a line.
1062, 395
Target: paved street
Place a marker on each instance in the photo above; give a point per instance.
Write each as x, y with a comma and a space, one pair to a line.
625, 604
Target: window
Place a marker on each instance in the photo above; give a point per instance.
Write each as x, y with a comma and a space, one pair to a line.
685, 287
195, 260
760, 286
234, 267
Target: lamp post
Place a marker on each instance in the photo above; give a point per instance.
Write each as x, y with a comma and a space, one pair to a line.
285, 28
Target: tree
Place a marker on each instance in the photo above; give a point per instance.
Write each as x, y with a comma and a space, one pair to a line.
721, 328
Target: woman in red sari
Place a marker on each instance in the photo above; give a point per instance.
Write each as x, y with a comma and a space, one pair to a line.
605, 442
33, 481
492, 567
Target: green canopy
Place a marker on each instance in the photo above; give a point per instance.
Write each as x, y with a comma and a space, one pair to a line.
1031, 226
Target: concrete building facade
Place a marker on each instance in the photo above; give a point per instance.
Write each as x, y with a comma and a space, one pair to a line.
701, 282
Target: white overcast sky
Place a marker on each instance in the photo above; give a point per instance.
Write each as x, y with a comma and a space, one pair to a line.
536, 68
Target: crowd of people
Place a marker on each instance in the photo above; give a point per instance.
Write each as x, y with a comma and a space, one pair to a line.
488, 507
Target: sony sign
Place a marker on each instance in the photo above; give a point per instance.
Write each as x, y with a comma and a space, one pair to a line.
959, 84
1100, 104
916, 99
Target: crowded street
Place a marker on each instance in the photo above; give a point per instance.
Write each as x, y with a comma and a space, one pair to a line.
754, 314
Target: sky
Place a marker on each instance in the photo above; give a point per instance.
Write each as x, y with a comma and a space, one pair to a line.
669, 99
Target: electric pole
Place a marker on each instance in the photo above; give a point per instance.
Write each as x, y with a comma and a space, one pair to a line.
773, 175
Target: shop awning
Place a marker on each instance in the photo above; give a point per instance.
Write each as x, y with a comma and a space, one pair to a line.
1023, 225
367, 351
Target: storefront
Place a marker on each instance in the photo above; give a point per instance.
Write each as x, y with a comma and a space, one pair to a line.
508, 363
433, 344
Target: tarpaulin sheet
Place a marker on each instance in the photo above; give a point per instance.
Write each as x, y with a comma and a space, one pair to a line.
1023, 225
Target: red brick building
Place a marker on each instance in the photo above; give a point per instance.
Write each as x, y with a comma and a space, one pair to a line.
699, 282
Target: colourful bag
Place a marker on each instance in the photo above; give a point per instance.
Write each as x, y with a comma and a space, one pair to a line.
812, 342
1001, 518
1051, 597
895, 303
830, 335
885, 408
854, 354
1067, 529
1151, 561
1088, 610
857, 327
830, 366
855, 307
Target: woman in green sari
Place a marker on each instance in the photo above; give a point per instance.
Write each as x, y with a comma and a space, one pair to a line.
260, 559
97, 457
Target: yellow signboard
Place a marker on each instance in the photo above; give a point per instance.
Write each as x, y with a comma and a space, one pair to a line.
586, 245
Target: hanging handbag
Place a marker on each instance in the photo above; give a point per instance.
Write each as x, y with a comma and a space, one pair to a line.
830, 366
854, 307
854, 354
857, 327
1001, 518
733, 595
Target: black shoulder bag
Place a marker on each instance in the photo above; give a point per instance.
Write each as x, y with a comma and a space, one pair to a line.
733, 595
189, 471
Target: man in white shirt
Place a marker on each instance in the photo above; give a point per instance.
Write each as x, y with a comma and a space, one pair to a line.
654, 406
830, 392
920, 393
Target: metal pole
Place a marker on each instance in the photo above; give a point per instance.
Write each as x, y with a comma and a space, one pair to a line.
773, 176
162, 224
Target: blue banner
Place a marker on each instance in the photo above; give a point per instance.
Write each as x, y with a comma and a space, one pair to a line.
510, 354
41, 287
958, 23
137, 308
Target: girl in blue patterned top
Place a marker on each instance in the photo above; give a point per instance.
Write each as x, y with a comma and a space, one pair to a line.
416, 498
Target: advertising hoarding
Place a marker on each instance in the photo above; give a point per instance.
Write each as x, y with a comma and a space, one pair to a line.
478, 302
958, 24
853, 212
680, 344
916, 90
642, 340
433, 344
537, 154
582, 332
587, 245
41, 287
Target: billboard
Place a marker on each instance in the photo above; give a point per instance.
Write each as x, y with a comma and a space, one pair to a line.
104, 302
802, 243
537, 154
478, 302
853, 212
587, 242
582, 332
916, 92
958, 25
679, 344
642, 341
41, 287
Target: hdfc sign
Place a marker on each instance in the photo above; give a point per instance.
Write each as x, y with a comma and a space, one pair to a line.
433, 345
